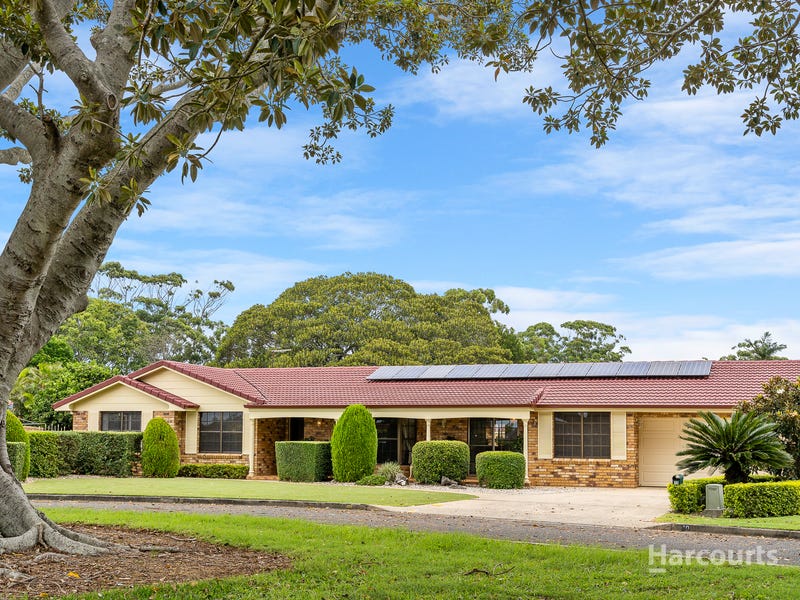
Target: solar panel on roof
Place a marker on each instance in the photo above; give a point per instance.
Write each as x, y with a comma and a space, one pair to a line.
384, 373
489, 371
603, 369
574, 370
666, 368
633, 369
462, 372
410, 372
518, 371
437, 372
694, 368
546, 370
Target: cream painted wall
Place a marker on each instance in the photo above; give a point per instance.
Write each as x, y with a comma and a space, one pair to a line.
209, 398
545, 430
119, 398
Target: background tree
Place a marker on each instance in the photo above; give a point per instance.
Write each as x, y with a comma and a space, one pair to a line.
780, 403
585, 341
366, 319
739, 446
764, 348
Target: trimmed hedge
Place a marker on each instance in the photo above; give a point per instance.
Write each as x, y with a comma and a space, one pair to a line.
432, 460
17, 451
372, 480
775, 499
354, 444
690, 496
15, 432
303, 461
221, 471
161, 453
500, 469
112, 454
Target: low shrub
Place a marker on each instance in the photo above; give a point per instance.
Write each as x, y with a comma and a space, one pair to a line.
690, 496
772, 499
432, 460
106, 453
161, 454
303, 461
389, 471
45, 454
15, 432
372, 480
222, 471
500, 469
16, 456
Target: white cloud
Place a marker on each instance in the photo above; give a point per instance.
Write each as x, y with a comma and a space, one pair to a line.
730, 259
467, 90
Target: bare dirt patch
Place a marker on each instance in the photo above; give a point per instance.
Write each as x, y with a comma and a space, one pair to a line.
148, 558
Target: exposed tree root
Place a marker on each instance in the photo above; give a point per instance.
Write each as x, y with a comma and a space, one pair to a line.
13, 575
52, 536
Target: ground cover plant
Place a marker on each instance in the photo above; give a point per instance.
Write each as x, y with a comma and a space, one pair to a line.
359, 562
237, 488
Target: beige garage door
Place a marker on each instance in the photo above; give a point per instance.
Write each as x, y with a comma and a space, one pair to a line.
659, 440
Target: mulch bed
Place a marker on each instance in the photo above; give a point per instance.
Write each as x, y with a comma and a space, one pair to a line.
151, 558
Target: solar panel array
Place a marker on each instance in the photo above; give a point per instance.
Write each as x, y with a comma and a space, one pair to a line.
677, 368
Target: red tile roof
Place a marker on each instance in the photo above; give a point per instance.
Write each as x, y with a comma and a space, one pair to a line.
728, 383
138, 385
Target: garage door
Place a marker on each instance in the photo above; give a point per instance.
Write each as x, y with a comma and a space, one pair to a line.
659, 441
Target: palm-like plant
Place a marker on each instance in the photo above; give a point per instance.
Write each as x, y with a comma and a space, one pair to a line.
739, 447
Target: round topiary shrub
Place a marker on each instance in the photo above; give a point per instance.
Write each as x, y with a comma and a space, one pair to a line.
15, 432
430, 461
354, 444
161, 455
500, 469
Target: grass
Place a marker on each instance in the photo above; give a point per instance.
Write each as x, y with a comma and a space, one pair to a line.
791, 523
353, 562
238, 488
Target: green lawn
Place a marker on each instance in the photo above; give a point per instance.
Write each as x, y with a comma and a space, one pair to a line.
334, 562
791, 523
185, 487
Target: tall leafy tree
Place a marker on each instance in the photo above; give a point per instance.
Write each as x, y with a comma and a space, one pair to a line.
763, 348
585, 341
366, 318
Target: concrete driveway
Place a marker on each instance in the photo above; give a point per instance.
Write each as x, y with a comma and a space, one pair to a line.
635, 507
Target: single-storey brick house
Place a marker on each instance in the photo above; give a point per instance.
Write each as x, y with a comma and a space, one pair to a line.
578, 424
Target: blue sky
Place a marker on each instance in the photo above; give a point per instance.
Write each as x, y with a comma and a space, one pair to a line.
680, 231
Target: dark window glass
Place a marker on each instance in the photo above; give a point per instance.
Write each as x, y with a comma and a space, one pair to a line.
121, 421
582, 435
387, 440
493, 434
221, 432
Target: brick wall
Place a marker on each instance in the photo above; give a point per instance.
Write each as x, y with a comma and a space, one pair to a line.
445, 429
587, 472
215, 459
268, 431
80, 420
319, 430
176, 420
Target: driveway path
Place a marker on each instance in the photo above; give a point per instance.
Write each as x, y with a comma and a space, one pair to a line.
783, 551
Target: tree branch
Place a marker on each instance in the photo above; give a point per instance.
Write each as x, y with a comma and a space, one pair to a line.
15, 156
70, 59
14, 89
22, 126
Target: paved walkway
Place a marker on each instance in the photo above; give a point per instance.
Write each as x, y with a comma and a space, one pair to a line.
636, 507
